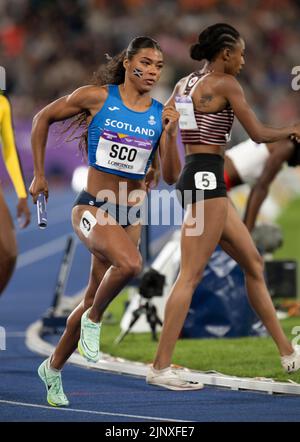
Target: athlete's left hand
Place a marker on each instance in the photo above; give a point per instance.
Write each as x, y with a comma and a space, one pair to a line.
170, 118
23, 212
152, 178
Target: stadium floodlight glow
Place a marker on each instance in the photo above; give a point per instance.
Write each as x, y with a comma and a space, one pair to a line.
2, 78
79, 178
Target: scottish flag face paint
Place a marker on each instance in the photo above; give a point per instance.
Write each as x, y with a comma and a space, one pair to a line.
138, 72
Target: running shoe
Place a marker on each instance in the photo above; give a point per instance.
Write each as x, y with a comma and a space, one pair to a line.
291, 363
170, 378
52, 380
89, 342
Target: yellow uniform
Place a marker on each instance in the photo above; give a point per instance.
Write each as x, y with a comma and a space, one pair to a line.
10, 154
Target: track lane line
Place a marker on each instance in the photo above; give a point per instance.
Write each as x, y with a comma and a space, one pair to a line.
101, 413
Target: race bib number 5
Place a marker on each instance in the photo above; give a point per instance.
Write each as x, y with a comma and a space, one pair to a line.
123, 152
205, 180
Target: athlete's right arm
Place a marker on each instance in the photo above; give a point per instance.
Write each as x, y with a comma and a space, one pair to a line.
87, 98
168, 147
230, 88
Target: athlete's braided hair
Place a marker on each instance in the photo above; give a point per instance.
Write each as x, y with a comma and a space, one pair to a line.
112, 72
212, 40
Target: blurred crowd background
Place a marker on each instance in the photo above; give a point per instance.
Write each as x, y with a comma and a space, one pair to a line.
50, 47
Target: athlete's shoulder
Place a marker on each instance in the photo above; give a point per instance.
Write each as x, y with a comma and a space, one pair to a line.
182, 80
225, 82
156, 103
178, 90
180, 85
90, 95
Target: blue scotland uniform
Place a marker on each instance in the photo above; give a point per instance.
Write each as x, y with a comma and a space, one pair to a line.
122, 141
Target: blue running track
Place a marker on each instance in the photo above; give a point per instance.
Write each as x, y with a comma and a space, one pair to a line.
96, 396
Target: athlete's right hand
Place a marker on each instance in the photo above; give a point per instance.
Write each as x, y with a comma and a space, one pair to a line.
170, 118
38, 185
23, 213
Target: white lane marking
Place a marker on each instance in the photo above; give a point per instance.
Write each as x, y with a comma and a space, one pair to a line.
102, 413
43, 251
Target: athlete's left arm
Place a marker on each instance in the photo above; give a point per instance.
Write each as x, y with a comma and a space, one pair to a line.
153, 174
12, 162
260, 191
168, 148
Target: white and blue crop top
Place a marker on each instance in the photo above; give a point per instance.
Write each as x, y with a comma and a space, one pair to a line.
122, 141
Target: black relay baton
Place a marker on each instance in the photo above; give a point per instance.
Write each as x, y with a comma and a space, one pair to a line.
41, 211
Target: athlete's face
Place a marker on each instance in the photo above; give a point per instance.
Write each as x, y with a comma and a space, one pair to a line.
236, 60
145, 68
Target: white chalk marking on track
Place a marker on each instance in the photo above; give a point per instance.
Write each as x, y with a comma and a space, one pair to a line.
102, 413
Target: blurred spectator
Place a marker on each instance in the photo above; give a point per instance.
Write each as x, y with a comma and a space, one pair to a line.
50, 47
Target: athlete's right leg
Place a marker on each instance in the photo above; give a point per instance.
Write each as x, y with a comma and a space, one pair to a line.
111, 246
195, 253
50, 370
115, 244
100, 266
69, 340
8, 244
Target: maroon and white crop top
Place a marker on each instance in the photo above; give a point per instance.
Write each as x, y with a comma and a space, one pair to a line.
212, 127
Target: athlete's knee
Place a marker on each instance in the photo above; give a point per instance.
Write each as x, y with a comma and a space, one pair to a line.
10, 259
131, 266
256, 266
191, 278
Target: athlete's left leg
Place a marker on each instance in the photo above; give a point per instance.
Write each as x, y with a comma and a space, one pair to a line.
237, 242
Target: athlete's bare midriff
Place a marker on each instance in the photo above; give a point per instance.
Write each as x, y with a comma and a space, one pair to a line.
204, 148
102, 181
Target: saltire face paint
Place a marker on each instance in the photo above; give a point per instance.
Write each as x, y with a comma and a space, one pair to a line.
138, 72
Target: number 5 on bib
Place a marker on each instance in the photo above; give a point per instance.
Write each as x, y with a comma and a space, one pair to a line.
205, 180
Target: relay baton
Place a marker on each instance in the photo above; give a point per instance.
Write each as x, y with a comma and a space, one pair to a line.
41, 211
